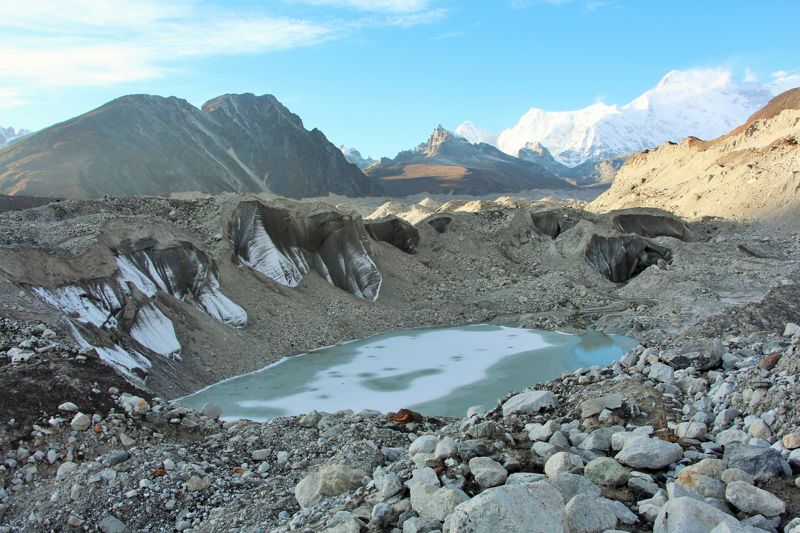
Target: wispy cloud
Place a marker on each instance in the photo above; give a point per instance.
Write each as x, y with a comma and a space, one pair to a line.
102, 42
376, 6
448, 35
589, 6
10, 98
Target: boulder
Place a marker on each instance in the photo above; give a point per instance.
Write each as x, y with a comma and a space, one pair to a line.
584, 515
571, 484
563, 462
512, 509
430, 501
594, 406
688, 515
530, 402
607, 472
487, 472
330, 480
761, 463
649, 453
752, 500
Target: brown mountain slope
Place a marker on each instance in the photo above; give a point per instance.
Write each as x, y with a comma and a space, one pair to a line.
149, 145
751, 173
449, 164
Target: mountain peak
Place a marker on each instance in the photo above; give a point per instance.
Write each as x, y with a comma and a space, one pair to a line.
438, 138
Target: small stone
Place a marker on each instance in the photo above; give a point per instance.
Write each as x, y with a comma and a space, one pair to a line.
65, 468
112, 524
518, 478
126, 440
260, 455
563, 462
211, 410
487, 472
68, 407
605, 471
81, 422
446, 448
423, 444
310, 420
760, 430
752, 500
196, 483
419, 524
661, 372
791, 440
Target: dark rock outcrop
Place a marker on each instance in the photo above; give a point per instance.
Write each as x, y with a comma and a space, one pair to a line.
652, 225
440, 224
619, 259
552, 223
396, 232
285, 246
149, 145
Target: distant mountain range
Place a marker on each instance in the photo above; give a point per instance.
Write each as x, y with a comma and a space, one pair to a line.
150, 145
703, 102
447, 163
355, 157
10, 134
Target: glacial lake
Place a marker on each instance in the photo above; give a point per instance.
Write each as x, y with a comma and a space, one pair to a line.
440, 371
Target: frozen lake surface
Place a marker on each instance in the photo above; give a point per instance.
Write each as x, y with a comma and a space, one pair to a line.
434, 371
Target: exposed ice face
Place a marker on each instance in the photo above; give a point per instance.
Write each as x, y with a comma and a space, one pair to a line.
285, 248
181, 272
140, 326
285, 268
128, 362
153, 330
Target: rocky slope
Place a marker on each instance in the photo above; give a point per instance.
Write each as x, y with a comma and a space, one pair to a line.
149, 145
449, 164
703, 102
750, 173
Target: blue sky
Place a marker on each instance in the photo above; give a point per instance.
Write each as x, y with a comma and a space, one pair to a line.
378, 74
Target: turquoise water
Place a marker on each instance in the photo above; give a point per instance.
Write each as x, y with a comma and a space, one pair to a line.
439, 371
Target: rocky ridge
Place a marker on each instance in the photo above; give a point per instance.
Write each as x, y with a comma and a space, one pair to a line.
150, 145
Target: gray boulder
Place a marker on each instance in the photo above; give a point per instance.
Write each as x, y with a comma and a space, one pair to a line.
688, 515
530, 402
649, 453
761, 463
330, 480
512, 509
607, 472
752, 500
487, 472
584, 515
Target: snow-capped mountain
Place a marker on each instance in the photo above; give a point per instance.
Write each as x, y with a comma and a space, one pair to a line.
702, 102
354, 156
475, 134
10, 134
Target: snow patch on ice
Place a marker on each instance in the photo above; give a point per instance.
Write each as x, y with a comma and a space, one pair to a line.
153, 330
